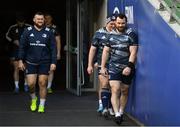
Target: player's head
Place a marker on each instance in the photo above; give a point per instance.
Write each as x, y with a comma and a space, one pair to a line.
20, 19
121, 22
48, 19
110, 21
110, 18
38, 19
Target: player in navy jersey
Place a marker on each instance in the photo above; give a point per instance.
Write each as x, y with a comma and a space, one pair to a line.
98, 42
122, 47
38, 52
13, 35
49, 23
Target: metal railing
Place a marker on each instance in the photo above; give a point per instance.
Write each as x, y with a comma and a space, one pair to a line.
173, 6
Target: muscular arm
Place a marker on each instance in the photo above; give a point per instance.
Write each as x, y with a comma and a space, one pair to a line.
105, 56
132, 60
58, 43
91, 56
133, 53
92, 53
9, 34
22, 51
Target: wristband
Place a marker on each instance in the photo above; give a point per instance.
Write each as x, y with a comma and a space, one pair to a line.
131, 65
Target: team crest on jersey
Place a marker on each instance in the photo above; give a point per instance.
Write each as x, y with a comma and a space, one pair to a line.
44, 35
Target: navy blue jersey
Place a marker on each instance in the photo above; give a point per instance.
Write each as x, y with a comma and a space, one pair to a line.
99, 40
38, 46
14, 32
119, 44
55, 30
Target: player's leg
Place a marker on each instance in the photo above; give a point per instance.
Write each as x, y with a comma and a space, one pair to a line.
16, 76
31, 77
105, 93
42, 81
26, 88
50, 80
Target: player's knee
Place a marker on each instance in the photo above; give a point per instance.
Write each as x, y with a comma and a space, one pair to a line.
31, 89
42, 83
124, 91
104, 84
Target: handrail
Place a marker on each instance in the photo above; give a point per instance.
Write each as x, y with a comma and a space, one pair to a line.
173, 7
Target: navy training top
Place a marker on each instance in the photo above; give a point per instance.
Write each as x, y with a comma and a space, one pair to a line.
38, 46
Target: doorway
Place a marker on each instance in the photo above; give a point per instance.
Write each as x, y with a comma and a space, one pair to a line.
82, 19
8, 12
77, 21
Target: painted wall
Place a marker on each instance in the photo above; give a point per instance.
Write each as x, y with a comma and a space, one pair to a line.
154, 95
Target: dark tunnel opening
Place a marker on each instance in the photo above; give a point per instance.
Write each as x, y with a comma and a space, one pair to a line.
8, 12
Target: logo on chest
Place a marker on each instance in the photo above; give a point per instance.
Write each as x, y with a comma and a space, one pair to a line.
44, 35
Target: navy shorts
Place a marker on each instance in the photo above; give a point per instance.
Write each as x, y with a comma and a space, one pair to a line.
14, 55
37, 69
120, 77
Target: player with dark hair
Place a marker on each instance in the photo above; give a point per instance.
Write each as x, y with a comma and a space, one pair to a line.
38, 51
99, 39
13, 35
122, 50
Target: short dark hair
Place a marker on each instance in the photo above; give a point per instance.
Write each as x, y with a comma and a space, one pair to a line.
20, 16
47, 14
121, 16
39, 13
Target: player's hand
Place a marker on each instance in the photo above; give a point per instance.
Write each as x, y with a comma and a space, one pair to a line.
58, 56
21, 65
90, 70
52, 67
126, 71
103, 71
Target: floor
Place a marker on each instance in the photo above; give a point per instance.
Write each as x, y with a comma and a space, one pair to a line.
62, 109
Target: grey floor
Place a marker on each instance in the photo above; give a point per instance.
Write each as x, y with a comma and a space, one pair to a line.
62, 109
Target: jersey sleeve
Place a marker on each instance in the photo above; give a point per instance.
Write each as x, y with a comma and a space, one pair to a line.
107, 43
95, 40
56, 33
132, 36
9, 34
23, 44
53, 48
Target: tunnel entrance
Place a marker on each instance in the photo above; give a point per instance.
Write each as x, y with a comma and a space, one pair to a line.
77, 21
